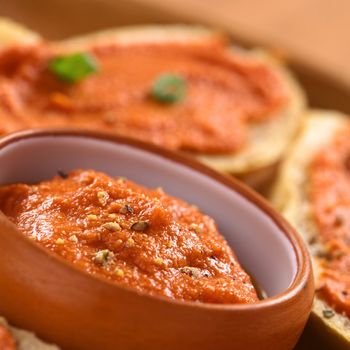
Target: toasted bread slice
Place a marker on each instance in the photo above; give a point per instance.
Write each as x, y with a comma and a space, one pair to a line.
267, 141
290, 197
26, 340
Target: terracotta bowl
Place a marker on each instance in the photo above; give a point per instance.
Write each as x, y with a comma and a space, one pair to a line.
64, 305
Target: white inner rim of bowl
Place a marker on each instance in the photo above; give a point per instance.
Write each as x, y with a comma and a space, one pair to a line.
261, 247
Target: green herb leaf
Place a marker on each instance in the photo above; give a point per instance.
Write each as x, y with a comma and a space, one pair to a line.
74, 67
169, 88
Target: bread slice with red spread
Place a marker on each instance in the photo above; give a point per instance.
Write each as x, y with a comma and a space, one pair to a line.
16, 339
203, 126
266, 141
312, 192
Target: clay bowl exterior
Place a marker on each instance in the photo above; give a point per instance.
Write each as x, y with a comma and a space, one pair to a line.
66, 306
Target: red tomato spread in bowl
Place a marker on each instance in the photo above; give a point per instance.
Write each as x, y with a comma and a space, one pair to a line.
130, 235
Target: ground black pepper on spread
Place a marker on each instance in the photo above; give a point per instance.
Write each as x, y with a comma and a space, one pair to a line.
330, 198
197, 98
133, 236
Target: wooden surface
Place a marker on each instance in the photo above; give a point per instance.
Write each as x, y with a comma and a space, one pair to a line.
314, 31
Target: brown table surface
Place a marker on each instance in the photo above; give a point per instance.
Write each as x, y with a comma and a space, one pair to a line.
314, 31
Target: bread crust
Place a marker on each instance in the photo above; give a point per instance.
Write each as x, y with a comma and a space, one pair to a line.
13, 33
290, 197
